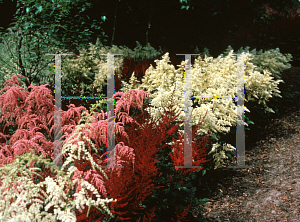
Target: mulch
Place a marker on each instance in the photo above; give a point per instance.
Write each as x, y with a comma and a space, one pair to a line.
271, 190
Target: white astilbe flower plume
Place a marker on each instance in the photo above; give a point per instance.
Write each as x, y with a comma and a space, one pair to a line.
213, 79
24, 193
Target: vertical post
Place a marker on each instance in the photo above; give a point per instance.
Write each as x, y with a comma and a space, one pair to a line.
240, 139
188, 158
240, 135
110, 110
57, 114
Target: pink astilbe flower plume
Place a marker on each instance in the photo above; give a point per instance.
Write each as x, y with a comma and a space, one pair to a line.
84, 140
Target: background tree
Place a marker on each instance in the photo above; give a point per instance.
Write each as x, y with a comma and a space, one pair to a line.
66, 22
230, 18
235, 15
207, 23
42, 27
25, 55
7, 10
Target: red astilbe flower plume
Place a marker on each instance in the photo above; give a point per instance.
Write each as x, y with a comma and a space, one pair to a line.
126, 185
13, 107
130, 185
149, 138
24, 139
129, 67
30, 111
199, 150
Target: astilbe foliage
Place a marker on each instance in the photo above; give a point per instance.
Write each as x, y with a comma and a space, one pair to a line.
177, 193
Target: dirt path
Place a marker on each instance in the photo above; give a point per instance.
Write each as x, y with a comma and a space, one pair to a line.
270, 191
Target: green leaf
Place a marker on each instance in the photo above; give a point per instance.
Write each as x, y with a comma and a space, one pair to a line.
193, 176
203, 172
40, 8
185, 7
27, 9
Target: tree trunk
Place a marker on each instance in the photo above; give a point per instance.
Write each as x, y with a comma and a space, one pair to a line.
113, 35
149, 22
20, 64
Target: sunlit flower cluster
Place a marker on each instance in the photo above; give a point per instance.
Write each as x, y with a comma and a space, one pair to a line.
213, 78
27, 207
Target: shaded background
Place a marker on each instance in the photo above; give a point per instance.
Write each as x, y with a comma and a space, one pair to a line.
213, 24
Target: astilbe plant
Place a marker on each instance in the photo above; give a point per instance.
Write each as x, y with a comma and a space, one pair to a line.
128, 188
23, 139
89, 66
210, 78
177, 194
137, 68
35, 112
35, 109
129, 67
